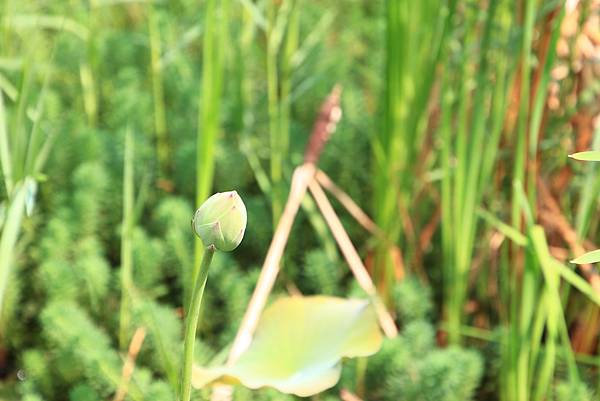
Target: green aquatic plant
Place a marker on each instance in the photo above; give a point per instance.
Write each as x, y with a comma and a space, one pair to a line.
220, 222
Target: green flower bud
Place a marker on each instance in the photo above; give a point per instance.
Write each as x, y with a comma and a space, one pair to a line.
221, 221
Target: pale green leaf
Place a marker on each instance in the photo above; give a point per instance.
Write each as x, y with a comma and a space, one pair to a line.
586, 258
299, 343
590, 156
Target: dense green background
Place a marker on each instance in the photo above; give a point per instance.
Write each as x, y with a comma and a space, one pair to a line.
457, 119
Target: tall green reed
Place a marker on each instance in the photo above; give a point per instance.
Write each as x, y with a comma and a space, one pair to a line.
471, 124
532, 291
131, 299
527, 318
88, 67
282, 30
294, 53
24, 144
127, 225
524, 98
160, 119
24, 147
214, 40
415, 36
538, 336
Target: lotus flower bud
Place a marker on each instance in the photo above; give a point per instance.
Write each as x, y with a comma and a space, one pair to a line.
221, 221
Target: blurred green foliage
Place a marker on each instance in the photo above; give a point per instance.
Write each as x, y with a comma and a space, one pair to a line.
89, 64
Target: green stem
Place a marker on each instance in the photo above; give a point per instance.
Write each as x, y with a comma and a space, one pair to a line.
127, 242
191, 324
274, 110
160, 119
9, 236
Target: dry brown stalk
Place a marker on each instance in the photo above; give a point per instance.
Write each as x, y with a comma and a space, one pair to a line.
352, 258
300, 179
430, 229
325, 124
347, 395
134, 348
355, 211
361, 218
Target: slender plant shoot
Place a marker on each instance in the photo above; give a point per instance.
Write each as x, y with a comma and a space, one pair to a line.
220, 222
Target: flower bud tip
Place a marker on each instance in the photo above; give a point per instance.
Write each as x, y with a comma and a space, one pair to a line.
221, 221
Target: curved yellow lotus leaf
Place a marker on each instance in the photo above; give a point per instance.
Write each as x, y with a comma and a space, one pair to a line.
299, 343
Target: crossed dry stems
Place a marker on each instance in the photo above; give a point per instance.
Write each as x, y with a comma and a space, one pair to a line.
308, 177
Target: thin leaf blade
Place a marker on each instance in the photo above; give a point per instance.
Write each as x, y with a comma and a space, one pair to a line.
589, 156
587, 258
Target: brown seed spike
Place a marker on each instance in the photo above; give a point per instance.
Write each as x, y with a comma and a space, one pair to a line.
325, 124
